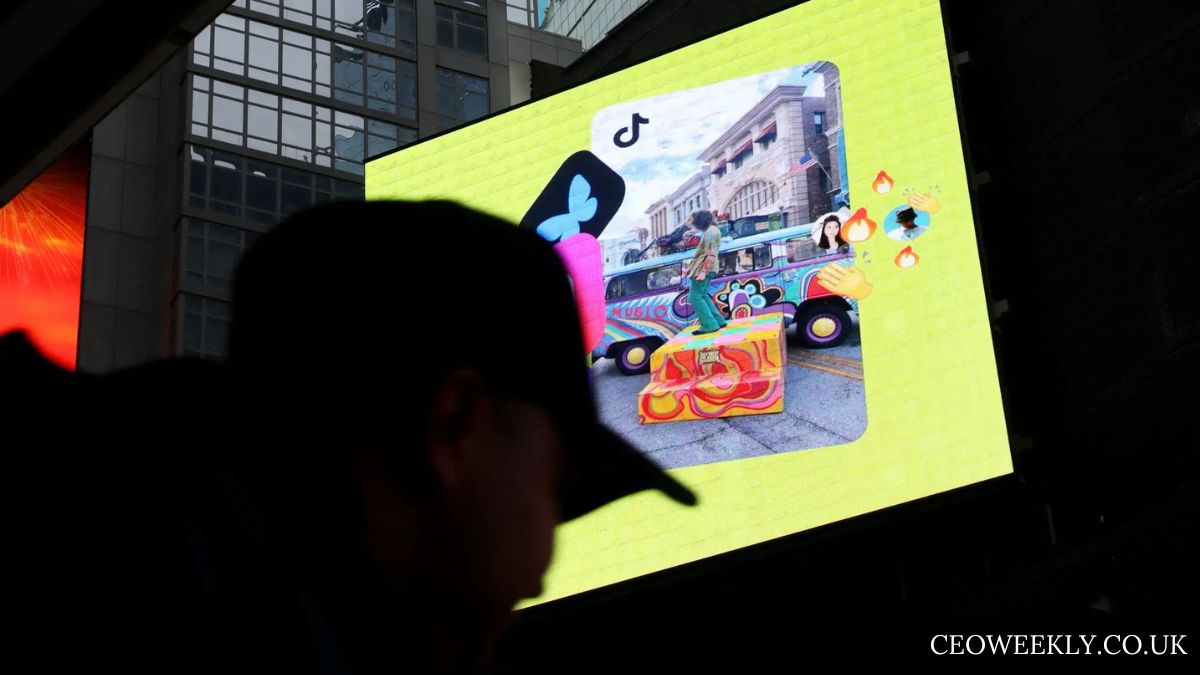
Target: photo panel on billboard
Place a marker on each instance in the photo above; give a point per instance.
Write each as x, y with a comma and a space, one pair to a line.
766, 161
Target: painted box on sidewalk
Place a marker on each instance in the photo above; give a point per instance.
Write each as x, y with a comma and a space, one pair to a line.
739, 370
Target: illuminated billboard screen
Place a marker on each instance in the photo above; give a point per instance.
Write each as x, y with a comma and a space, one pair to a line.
818, 347
41, 257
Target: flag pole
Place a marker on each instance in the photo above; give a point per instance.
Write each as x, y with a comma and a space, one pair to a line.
827, 174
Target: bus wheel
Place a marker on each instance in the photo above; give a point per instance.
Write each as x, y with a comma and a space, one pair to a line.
633, 358
822, 325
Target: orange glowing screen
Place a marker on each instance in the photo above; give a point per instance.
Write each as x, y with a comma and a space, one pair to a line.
41, 257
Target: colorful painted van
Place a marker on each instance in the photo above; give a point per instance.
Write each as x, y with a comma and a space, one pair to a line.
646, 302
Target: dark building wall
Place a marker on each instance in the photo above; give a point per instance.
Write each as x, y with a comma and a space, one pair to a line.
833, 124
78, 59
1082, 123
818, 196
133, 202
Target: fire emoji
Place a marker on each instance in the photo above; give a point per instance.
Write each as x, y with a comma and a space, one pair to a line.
858, 228
906, 258
883, 183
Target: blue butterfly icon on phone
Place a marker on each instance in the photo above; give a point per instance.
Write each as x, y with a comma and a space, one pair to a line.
581, 207
581, 198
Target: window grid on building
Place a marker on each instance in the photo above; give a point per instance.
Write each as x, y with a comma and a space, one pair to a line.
461, 98
383, 22
461, 30
523, 12
205, 326
299, 61
751, 198
291, 128
587, 20
254, 191
211, 252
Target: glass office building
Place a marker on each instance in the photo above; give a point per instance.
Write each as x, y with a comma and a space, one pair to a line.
586, 20
273, 107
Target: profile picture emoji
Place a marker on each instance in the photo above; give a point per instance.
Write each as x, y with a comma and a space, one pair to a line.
904, 223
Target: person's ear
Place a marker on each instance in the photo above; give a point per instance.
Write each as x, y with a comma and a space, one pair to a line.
457, 415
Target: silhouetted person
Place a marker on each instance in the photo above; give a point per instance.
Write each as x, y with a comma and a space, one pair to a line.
369, 484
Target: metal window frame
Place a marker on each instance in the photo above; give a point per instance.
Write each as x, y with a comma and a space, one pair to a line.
333, 119
459, 94
241, 220
320, 93
457, 25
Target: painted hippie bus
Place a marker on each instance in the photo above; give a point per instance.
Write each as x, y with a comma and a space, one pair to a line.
646, 302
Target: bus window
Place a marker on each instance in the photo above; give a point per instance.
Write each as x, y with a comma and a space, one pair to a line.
745, 260
626, 285
614, 288
761, 256
726, 264
670, 276
801, 249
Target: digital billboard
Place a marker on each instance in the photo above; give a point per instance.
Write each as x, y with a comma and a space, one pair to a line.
41, 257
770, 239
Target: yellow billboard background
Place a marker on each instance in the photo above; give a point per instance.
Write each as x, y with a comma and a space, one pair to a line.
934, 415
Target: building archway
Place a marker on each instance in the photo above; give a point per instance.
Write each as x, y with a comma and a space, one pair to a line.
751, 197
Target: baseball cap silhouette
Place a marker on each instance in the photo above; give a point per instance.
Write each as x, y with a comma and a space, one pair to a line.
344, 309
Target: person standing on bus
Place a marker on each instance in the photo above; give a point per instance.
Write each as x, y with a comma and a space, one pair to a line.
702, 269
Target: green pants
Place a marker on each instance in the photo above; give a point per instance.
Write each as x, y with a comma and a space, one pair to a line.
706, 310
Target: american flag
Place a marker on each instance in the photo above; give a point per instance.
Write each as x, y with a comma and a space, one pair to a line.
806, 162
